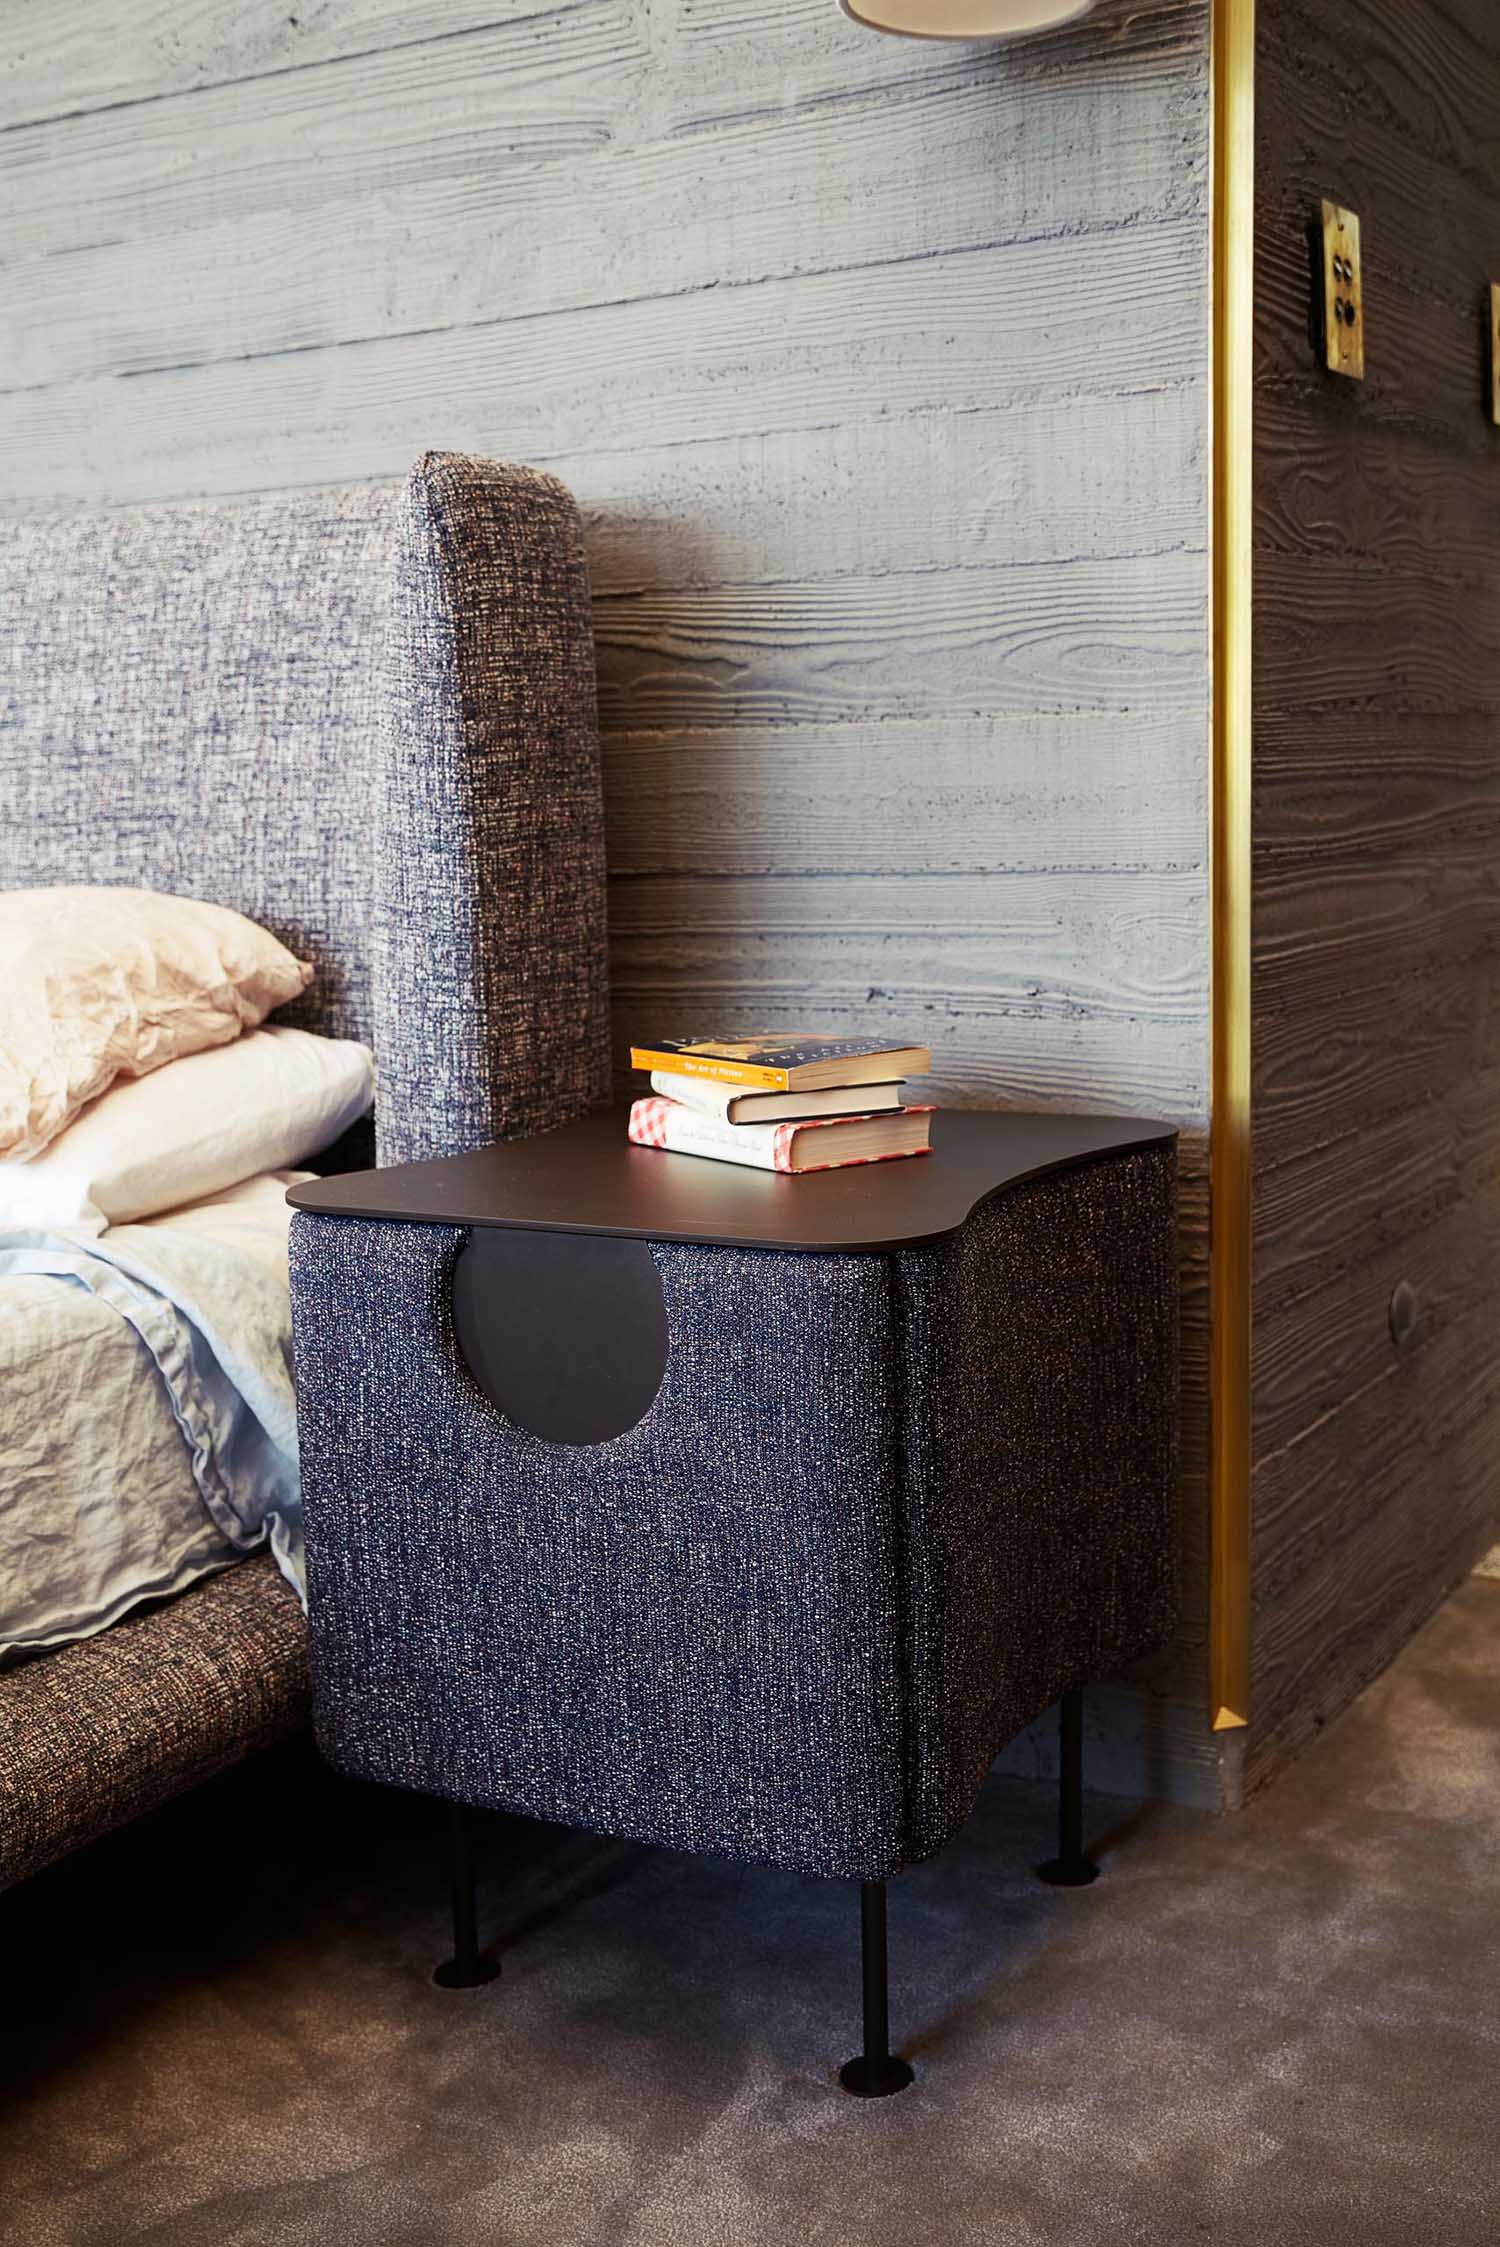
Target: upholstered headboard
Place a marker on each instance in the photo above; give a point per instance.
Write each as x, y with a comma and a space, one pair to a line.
366, 718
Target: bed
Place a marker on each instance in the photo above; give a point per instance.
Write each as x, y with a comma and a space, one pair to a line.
364, 717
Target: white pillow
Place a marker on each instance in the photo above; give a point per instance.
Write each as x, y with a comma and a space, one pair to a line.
267, 1102
97, 984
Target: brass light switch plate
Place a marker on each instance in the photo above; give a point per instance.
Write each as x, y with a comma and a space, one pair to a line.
1343, 293
1495, 352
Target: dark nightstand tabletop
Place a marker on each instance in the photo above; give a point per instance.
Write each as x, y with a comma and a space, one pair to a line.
587, 1178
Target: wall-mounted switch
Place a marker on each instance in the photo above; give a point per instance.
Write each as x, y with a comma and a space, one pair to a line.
1495, 352
1343, 294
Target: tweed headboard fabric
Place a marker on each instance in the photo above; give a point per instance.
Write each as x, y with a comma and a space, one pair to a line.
366, 718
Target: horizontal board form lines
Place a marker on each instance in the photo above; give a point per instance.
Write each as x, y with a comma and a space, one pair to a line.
157, 49
1093, 479
530, 92
1322, 1514
1354, 1605
1373, 779
1024, 485
1354, 632
798, 50
1327, 1344
513, 96
1374, 915
1043, 977
1444, 363
1098, 478
1374, 1187
157, 52
1381, 1046
1047, 943
769, 356
945, 644
1122, 792
1392, 516
1407, 77
1413, 815
351, 260
1314, 1495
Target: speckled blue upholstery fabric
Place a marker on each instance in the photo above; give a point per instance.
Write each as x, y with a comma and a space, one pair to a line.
883, 1509
490, 969
365, 717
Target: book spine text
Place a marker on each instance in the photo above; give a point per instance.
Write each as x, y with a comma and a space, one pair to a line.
742, 1073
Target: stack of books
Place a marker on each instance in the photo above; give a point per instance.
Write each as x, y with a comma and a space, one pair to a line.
790, 1103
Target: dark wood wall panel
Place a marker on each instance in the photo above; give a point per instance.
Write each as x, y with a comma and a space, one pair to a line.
1376, 850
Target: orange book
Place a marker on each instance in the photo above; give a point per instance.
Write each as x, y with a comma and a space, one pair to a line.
800, 1062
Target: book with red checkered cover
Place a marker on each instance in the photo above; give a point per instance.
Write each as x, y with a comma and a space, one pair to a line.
655, 1122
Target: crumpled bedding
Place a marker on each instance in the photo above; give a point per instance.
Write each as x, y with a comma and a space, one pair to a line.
147, 1423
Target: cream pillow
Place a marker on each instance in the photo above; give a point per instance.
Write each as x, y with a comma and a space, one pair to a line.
103, 983
268, 1102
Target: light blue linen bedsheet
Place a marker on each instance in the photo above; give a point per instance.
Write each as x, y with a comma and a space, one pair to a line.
214, 1323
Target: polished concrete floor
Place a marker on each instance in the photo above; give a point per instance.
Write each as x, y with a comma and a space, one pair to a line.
1278, 2029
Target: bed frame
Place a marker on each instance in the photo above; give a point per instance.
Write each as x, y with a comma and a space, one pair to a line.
365, 717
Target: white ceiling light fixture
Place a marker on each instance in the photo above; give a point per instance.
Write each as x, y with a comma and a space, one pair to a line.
964, 19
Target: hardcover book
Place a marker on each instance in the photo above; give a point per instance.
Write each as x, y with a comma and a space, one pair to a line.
730, 1106
820, 1143
799, 1062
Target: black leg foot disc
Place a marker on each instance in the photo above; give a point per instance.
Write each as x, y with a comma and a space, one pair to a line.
874, 2079
466, 1974
1068, 1872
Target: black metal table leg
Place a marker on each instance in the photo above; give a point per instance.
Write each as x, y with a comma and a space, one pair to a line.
467, 1969
875, 2073
1071, 1867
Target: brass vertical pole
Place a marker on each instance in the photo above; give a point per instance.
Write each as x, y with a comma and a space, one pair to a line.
1229, 1142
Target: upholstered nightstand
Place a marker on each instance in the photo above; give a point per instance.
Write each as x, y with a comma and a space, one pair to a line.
732, 1511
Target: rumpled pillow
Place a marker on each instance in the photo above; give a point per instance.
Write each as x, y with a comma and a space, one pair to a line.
270, 1101
97, 984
